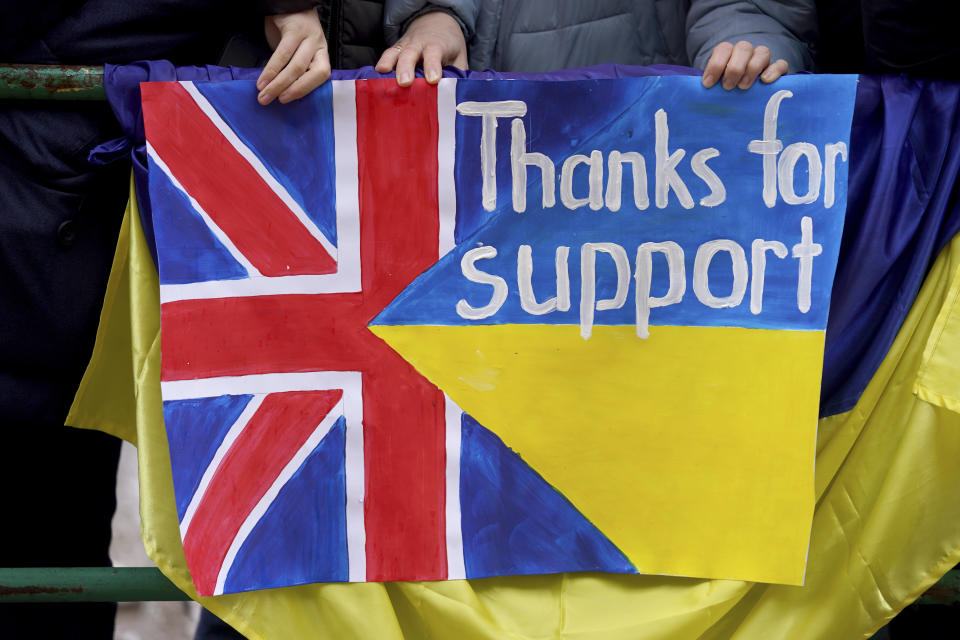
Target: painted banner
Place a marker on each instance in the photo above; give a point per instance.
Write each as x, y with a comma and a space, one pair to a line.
495, 327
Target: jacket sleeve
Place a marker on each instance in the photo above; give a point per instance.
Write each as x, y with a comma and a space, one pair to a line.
397, 14
788, 28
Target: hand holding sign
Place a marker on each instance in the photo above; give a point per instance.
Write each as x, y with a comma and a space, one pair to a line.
434, 38
300, 62
739, 65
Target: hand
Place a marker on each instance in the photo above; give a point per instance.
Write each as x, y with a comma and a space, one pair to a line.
740, 65
436, 39
300, 62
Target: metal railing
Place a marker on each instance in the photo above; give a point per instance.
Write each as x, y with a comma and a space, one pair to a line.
87, 584
51, 82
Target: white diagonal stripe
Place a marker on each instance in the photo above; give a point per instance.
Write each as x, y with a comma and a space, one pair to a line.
268, 498
218, 233
232, 434
259, 167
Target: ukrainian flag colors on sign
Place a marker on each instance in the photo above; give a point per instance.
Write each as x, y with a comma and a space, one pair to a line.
625, 282
639, 305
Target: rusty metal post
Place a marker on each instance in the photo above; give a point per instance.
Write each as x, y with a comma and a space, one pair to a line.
51, 82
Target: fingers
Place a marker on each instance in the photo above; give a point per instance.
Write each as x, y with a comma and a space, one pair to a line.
433, 39
716, 64
774, 71
403, 58
388, 61
317, 73
407, 63
281, 56
460, 61
295, 68
300, 61
432, 63
757, 63
739, 66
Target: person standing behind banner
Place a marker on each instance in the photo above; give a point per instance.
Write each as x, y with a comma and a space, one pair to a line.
59, 220
733, 41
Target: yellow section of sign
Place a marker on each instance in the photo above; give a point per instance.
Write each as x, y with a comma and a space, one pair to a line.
692, 450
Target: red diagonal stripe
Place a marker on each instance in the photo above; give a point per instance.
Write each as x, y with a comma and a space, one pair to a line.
403, 423
231, 191
276, 431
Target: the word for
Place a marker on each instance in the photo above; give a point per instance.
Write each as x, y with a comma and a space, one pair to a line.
778, 172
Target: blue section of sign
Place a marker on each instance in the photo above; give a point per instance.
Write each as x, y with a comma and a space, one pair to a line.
295, 141
302, 538
605, 116
195, 428
190, 251
514, 523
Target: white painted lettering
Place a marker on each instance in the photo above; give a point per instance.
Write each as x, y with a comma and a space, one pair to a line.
806, 251
615, 179
519, 159
830, 153
758, 267
644, 277
471, 273
701, 265
528, 301
666, 176
769, 146
718, 193
588, 282
489, 112
595, 195
786, 167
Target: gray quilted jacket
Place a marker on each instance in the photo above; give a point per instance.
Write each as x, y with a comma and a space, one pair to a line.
545, 35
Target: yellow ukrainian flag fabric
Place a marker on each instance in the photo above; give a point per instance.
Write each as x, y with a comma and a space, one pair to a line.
886, 524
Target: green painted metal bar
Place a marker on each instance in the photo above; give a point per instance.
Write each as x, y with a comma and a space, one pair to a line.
51, 82
86, 584
137, 584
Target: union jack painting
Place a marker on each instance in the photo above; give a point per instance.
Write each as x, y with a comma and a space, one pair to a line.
303, 448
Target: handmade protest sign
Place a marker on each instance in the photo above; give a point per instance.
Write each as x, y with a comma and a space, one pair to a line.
625, 282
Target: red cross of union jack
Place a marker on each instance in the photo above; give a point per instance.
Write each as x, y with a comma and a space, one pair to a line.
292, 333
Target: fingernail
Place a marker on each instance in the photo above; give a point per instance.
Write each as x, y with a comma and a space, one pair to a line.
768, 76
433, 77
284, 98
405, 77
727, 85
260, 85
263, 98
709, 80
